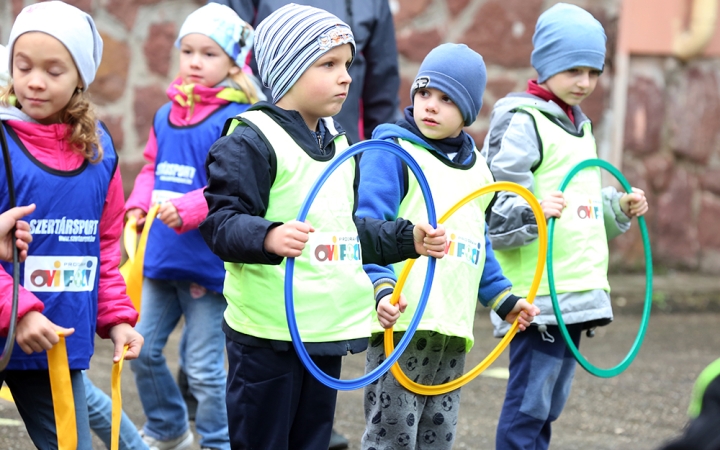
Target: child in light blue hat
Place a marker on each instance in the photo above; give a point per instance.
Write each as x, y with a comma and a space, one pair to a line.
182, 277
446, 97
535, 138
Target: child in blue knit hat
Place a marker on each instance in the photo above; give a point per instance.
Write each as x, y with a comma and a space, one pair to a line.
447, 96
535, 138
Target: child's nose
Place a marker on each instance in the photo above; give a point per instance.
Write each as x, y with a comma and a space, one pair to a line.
345, 78
584, 80
36, 81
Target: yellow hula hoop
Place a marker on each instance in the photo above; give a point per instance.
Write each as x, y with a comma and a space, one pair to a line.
438, 389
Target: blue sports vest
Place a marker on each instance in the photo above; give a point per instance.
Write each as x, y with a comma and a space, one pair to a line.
62, 267
179, 169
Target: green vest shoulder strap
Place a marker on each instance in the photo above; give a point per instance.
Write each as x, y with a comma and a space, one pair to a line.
706, 377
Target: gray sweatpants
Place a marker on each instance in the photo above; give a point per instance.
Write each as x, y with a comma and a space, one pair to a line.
396, 418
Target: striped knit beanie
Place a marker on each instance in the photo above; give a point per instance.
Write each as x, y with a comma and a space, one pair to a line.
291, 39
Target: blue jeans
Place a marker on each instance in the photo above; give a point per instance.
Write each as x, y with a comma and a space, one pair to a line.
100, 413
542, 369
164, 303
31, 391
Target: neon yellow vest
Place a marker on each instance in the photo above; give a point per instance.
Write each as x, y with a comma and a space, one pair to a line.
580, 250
333, 296
451, 307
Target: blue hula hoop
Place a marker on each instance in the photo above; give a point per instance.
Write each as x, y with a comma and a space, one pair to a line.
335, 383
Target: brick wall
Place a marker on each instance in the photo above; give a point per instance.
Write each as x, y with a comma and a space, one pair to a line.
672, 129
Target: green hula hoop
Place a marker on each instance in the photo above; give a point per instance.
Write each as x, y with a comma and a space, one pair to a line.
594, 370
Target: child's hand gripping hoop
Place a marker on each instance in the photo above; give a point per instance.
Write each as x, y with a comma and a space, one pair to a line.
368, 378
438, 389
613, 371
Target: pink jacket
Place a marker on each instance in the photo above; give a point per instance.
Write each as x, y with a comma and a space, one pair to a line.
186, 110
47, 144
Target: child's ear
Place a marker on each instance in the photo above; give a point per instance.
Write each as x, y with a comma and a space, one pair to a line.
234, 70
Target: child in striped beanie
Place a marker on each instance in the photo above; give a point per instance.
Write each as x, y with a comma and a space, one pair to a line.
258, 174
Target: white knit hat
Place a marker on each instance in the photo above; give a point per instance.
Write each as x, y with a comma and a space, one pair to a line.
69, 25
221, 24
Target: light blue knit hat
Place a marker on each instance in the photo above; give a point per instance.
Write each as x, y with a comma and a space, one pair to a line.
291, 39
221, 24
459, 72
567, 36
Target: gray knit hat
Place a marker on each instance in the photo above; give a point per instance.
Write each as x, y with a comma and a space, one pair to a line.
73, 28
291, 39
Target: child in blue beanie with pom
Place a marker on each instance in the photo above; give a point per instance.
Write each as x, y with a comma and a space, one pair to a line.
447, 96
535, 139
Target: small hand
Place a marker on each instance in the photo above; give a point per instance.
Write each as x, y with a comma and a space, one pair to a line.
139, 214
124, 334
388, 313
430, 241
553, 205
524, 312
289, 239
36, 333
8, 220
168, 214
634, 204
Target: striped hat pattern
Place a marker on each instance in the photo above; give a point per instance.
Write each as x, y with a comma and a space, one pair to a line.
291, 39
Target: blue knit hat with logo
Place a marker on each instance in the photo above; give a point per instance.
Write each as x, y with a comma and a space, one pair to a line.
291, 39
221, 24
459, 72
567, 36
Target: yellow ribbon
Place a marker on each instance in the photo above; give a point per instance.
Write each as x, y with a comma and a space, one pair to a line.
62, 396
132, 270
116, 401
58, 366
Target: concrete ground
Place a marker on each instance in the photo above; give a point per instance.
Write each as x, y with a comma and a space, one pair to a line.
639, 409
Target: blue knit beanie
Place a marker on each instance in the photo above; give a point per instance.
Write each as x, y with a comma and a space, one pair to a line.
291, 39
567, 36
459, 72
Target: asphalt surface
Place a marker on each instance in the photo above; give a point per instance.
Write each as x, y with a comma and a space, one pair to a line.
639, 409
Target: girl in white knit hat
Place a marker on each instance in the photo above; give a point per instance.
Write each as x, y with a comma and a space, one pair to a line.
63, 161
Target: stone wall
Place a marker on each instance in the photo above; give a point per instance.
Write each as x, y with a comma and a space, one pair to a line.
672, 136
